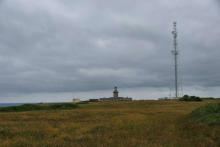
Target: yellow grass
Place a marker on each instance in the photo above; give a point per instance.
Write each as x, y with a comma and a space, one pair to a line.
110, 124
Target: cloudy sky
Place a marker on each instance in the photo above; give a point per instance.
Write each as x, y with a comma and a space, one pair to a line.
54, 50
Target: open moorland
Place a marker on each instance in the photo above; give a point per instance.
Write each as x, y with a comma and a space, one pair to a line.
110, 124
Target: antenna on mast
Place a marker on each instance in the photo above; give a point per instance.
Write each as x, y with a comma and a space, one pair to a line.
175, 53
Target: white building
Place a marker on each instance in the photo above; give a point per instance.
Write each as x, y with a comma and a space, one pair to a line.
76, 100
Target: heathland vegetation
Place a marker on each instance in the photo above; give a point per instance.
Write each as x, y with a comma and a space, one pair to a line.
135, 123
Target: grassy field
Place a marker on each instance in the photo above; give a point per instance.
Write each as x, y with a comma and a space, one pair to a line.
110, 124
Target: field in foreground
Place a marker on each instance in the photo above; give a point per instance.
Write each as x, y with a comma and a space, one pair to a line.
136, 123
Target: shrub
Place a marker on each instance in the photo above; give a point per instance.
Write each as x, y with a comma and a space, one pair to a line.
63, 106
32, 107
190, 98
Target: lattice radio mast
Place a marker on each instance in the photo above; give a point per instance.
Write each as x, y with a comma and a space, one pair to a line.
175, 53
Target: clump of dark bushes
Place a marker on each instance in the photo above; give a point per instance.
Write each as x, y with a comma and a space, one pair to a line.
33, 107
209, 114
190, 98
83, 102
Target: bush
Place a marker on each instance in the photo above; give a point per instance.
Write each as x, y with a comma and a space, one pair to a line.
63, 106
210, 98
209, 114
32, 107
83, 102
190, 98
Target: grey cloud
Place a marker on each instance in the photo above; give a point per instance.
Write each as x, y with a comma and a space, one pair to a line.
65, 46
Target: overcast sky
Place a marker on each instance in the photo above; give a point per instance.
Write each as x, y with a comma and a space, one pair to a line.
53, 50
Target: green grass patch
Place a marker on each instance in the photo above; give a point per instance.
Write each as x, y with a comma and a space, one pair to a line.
34, 107
209, 114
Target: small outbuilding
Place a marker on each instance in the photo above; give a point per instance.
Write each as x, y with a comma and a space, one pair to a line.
76, 100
